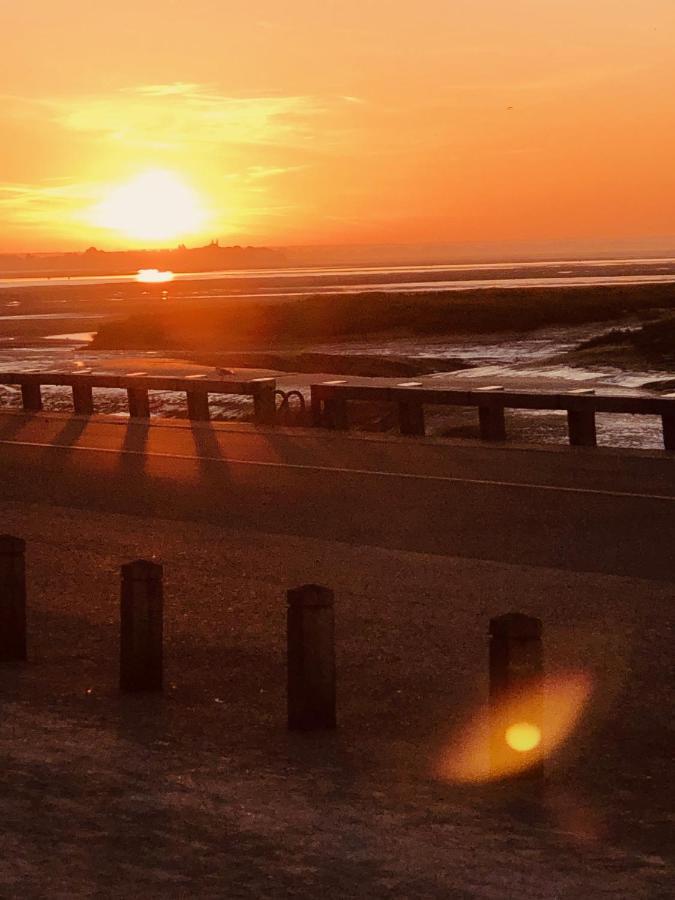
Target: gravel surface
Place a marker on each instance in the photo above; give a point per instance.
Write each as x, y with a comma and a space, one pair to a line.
202, 791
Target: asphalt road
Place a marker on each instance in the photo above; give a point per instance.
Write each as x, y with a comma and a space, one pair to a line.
584, 510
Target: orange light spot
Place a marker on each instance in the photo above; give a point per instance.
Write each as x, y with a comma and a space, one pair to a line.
523, 736
467, 755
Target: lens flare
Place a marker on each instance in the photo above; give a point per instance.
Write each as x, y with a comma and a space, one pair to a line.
506, 741
523, 736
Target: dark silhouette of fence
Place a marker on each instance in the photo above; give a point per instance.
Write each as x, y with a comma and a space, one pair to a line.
331, 399
196, 388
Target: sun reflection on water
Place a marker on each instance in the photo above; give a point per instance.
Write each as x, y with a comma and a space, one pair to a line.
153, 276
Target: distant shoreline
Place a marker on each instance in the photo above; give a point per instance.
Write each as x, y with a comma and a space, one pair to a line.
288, 336
263, 324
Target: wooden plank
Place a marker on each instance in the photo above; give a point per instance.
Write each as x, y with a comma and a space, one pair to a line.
610, 403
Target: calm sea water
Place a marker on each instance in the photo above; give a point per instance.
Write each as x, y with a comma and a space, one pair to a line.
291, 281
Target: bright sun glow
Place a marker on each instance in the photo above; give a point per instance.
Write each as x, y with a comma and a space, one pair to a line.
155, 205
153, 276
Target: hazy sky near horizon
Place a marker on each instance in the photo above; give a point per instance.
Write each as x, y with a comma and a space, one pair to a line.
294, 121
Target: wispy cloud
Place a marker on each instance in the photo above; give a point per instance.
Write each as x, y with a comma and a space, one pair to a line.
42, 204
238, 146
181, 114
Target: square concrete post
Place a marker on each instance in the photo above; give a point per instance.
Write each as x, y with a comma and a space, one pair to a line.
12, 598
141, 627
516, 671
581, 428
668, 431
139, 403
492, 423
31, 397
311, 658
83, 400
265, 401
198, 406
411, 417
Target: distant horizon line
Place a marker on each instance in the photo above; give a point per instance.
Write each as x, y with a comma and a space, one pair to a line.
525, 249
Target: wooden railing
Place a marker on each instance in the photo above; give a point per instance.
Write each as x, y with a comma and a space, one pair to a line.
330, 409
330, 401
138, 385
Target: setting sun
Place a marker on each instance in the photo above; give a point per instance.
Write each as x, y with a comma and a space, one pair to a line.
155, 205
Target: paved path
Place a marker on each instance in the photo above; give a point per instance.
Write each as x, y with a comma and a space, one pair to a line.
584, 510
206, 780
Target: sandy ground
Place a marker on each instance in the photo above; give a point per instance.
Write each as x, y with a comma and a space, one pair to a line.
202, 791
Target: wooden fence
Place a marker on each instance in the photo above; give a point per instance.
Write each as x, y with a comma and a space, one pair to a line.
196, 388
331, 399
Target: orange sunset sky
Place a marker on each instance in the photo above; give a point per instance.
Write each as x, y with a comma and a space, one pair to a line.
145, 122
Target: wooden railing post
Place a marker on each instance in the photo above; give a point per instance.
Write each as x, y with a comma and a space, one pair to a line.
139, 403
516, 670
335, 413
264, 401
411, 412
316, 406
492, 422
12, 598
581, 428
83, 400
668, 423
141, 627
311, 658
31, 397
198, 406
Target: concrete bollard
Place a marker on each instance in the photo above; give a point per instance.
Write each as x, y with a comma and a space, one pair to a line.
516, 670
492, 423
139, 403
141, 627
12, 598
311, 658
83, 400
31, 397
581, 428
198, 406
